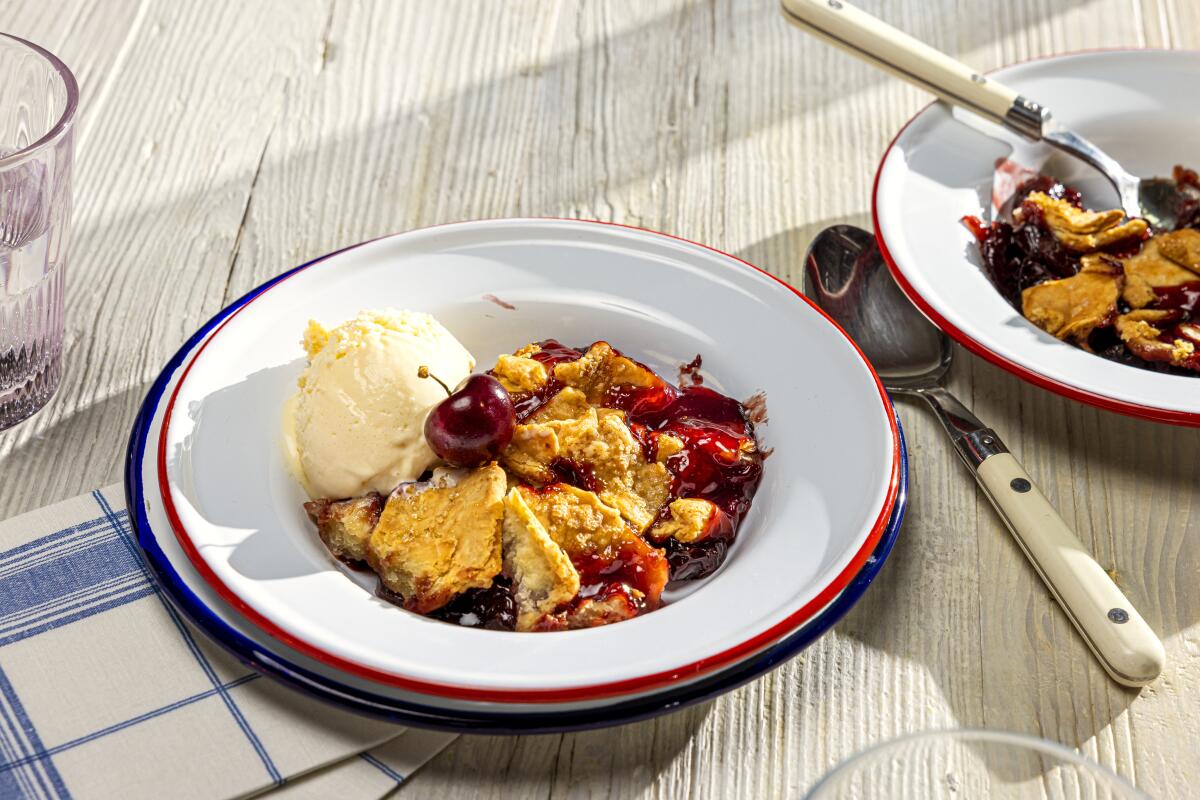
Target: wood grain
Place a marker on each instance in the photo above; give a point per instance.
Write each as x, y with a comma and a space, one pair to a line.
222, 142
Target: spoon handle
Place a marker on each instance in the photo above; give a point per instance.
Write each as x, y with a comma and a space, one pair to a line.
1121, 640
1125, 645
878, 43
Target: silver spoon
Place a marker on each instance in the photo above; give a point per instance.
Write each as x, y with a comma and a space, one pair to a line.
844, 275
874, 41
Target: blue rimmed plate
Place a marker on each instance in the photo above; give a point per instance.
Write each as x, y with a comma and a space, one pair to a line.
205, 606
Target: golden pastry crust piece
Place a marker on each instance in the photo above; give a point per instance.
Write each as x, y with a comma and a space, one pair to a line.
530, 452
692, 519
1150, 269
1071, 308
1091, 242
435, 541
1182, 247
1085, 231
601, 440
589, 530
1062, 216
520, 375
568, 403
600, 369
632, 486
542, 574
345, 525
1141, 329
667, 446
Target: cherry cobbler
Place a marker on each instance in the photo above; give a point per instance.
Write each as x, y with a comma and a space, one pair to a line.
1109, 284
576, 485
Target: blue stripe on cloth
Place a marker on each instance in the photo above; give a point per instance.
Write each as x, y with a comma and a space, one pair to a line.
59, 549
382, 767
50, 580
66, 576
52, 538
71, 597
14, 784
188, 639
25, 740
10, 782
77, 612
8, 766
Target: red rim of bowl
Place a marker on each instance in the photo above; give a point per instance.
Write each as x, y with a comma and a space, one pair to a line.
1025, 373
566, 694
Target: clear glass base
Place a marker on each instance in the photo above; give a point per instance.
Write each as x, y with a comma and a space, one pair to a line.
31, 336
23, 401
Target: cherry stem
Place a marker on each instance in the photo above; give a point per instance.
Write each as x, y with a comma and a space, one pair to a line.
423, 372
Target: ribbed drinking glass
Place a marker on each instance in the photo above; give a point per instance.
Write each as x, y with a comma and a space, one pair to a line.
38, 98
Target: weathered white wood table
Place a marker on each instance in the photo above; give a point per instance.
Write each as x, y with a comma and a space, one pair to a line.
221, 142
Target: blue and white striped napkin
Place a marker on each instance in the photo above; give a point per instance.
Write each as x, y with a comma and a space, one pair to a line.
105, 691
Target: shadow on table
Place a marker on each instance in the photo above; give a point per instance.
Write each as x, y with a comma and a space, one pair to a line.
625, 761
65, 441
574, 155
930, 604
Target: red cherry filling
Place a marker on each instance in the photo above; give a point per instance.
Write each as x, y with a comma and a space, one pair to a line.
493, 608
577, 473
720, 461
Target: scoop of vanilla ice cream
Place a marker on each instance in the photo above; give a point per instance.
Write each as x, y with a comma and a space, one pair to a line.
357, 423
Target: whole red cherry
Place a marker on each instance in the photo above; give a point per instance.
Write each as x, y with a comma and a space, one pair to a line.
473, 424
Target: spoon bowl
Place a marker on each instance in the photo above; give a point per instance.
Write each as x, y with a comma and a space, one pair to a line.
845, 275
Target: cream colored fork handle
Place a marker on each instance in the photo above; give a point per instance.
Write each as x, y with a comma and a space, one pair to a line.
1124, 644
875, 41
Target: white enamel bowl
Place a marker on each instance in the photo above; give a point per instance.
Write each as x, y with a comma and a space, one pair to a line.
1142, 107
827, 494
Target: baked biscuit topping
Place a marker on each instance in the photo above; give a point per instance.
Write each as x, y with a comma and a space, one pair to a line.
613, 483
345, 525
519, 374
611, 559
1079, 230
601, 439
1182, 247
1148, 271
438, 539
541, 573
1106, 283
692, 520
1071, 308
600, 369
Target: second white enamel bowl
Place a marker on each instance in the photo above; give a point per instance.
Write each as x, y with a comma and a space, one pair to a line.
1142, 107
